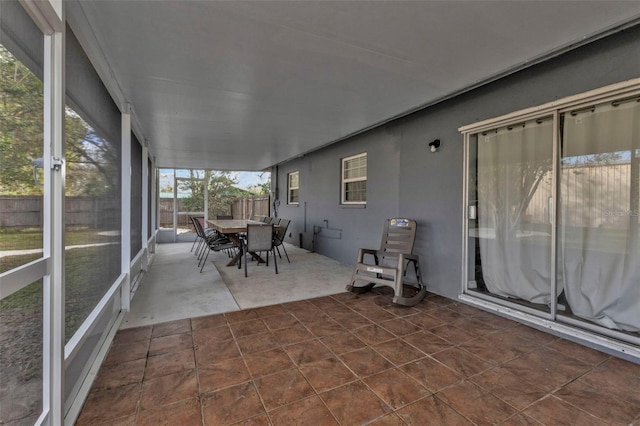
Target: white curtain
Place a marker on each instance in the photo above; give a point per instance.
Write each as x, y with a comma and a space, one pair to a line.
599, 250
514, 164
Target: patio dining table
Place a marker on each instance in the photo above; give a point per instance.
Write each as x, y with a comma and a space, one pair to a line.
232, 228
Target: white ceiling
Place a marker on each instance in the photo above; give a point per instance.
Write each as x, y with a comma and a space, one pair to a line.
238, 85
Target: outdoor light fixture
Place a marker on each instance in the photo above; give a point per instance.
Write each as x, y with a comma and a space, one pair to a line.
435, 145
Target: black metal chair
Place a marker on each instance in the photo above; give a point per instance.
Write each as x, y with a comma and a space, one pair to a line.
259, 238
210, 241
279, 236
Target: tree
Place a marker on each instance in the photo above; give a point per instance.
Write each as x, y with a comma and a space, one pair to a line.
92, 163
222, 192
21, 129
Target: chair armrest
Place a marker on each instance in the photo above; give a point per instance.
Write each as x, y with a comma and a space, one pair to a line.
363, 251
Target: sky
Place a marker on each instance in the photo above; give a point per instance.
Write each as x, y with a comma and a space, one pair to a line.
245, 179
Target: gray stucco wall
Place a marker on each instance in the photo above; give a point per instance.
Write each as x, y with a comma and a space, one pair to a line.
406, 179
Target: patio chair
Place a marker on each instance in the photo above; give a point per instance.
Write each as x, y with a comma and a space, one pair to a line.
259, 238
202, 234
390, 263
279, 236
210, 240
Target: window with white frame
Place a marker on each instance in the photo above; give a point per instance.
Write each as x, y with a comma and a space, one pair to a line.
293, 187
354, 179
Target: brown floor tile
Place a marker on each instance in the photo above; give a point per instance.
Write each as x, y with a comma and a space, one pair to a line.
185, 412
270, 311
173, 362
431, 411
324, 303
509, 367
295, 334
453, 334
521, 419
476, 404
261, 420
278, 322
121, 374
257, 343
427, 342
216, 353
479, 326
299, 306
398, 352
110, 404
553, 411
351, 320
431, 374
325, 328
309, 411
463, 309
247, 328
168, 389
373, 334
208, 321
126, 352
172, 327
496, 348
425, 321
212, 335
347, 296
268, 362
172, 343
307, 352
131, 335
283, 388
354, 404
509, 387
399, 310
400, 326
497, 321
313, 315
462, 362
378, 315
231, 405
327, 374
446, 314
530, 334
224, 374
365, 362
616, 377
597, 401
388, 420
395, 388
240, 316
547, 368
343, 342
579, 352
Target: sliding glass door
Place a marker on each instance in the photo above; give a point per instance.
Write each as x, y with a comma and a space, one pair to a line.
599, 250
511, 188
553, 213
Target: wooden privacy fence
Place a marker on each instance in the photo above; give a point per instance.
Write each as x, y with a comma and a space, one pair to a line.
249, 207
18, 211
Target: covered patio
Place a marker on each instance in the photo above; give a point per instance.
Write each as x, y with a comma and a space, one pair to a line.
508, 131
342, 359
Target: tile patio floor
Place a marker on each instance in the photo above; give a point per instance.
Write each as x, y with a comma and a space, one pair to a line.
348, 360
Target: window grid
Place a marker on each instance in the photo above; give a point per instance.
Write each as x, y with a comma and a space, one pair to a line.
293, 188
354, 179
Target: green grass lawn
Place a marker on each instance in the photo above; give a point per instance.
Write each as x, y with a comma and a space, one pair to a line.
31, 238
